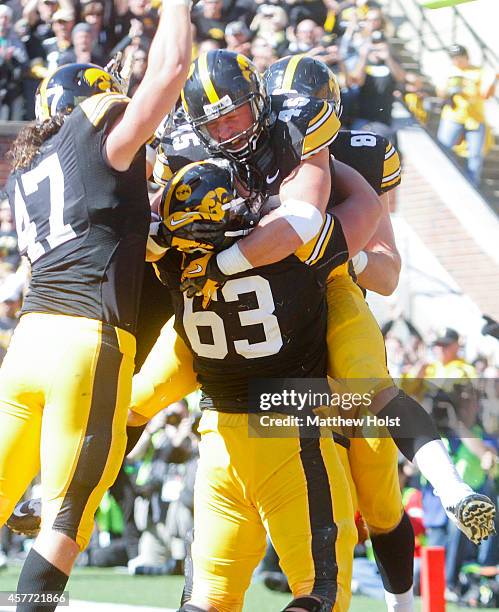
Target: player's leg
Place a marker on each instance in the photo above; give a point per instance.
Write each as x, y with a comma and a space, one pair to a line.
83, 440
229, 538
356, 351
166, 376
21, 404
307, 509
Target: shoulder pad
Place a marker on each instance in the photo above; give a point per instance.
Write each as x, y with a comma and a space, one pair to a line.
322, 129
312, 251
391, 168
372, 155
301, 127
162, 172
308, 124
98, 107
182, 146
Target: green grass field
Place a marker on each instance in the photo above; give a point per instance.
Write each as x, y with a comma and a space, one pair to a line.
110, 585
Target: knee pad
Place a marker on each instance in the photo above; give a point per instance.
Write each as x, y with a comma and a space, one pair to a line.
311, 604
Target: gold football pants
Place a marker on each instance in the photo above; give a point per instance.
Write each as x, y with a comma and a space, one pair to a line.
356, 350
65, 387
293, 489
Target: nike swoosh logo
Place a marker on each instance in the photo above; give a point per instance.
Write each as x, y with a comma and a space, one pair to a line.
178, 221
196, 270
273, 178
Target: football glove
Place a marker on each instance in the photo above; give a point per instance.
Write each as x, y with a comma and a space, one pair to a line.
202, 276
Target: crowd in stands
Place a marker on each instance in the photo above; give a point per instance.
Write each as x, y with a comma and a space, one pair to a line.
145, 520
351, 36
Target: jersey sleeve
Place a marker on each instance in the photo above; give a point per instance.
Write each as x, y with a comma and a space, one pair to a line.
321, 130
162, 172
391, 169
328, 249
103, 109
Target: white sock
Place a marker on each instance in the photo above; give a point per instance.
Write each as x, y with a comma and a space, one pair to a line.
401, 602
434, 463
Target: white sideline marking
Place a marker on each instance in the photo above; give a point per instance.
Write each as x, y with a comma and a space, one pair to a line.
76, 605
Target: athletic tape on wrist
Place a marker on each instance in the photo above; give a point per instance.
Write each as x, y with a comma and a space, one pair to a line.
232, 261
303, 217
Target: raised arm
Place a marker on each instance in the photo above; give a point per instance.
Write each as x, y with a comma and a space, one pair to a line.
168, 64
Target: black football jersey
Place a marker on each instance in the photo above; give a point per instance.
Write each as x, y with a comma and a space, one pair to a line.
299, 127
372, 155
82, 224
268, 322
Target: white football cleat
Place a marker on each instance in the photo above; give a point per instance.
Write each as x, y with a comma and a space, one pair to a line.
474, 516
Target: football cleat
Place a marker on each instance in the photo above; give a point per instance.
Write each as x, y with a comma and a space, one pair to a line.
26, 518
474, 516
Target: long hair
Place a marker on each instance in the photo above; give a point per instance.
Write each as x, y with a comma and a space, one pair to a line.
30, 139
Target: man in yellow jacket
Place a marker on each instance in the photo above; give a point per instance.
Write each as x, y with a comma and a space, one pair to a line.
463, 114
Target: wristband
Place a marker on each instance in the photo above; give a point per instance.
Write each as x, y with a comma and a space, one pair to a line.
303, 217
232, 261
360, 262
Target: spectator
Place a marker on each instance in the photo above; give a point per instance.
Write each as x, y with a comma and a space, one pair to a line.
83, 50
141, 11
300, 10
240, 10
475, 455
167, 447
39, 14
13, 61
463, 113
263, 54
139, 67
62, 25
209, 21
448, 363
377, 75
93, 14
306, 36
9, 253
10, 304
270, 23
238, 37
209, 44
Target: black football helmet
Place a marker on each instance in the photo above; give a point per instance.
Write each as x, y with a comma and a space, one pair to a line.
203, 209
68, 86
219, 82
306, 76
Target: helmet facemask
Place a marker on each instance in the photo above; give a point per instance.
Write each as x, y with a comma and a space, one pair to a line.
241, 146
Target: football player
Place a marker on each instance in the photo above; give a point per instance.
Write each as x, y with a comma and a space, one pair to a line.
356, 346
356, 351
265, 325
79, 197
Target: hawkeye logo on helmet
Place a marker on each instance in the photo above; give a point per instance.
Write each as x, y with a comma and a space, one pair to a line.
96, 77
217, 107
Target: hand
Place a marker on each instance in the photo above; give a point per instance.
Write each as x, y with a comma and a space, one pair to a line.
202, 276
